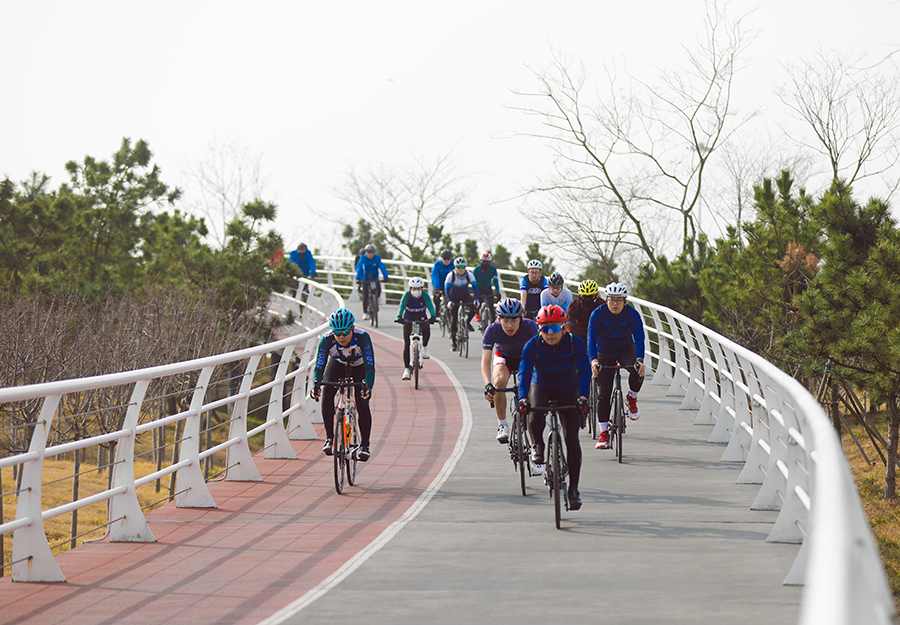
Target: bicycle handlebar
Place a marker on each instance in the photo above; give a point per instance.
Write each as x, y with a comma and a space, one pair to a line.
406, 322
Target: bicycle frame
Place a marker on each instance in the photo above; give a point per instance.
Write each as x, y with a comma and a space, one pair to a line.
345, 441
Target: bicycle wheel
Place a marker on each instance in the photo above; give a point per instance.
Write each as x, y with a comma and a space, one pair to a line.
592, 411
556, 476
374, 310
620, 423
415, 363
522, 460
352, 446
340, 449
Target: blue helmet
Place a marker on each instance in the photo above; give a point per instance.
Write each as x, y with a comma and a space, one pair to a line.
341, 320
510, 307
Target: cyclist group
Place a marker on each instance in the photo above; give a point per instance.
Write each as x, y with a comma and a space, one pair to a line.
556, 344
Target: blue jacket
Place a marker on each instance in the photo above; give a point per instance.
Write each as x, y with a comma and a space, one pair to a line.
439, 273
368, 269
610, 334
561, 369
307, 264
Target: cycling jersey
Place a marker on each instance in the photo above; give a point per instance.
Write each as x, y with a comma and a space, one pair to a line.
562, 300
415, 308
358, 353
562, 369
457, 286
439, 274
611, 334
579, 313
486, 277
509, 346
367, 269
533, 292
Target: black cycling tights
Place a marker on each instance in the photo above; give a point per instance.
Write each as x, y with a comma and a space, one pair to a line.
570, 421
608, 373
334, 371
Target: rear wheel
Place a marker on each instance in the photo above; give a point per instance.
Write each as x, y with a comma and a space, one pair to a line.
592, 411
415, 363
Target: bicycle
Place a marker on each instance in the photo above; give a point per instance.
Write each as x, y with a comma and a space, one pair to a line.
372, 304
485, 312
617, 415
444, 313
462, 330
519, 448
345, 443
556, 470
416, 359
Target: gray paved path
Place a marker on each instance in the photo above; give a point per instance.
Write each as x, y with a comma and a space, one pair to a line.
666, 537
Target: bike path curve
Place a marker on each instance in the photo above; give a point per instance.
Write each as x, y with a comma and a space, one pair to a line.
271, 547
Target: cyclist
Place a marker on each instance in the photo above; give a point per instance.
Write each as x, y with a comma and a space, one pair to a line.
367, 270
488, 283
442, 268
345, 344
615, 336
556, 293
579, 312
555, 367
456, 288
415, 306
501, 351
304, 260
530, 288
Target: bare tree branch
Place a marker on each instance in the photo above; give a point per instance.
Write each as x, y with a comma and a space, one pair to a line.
640, 153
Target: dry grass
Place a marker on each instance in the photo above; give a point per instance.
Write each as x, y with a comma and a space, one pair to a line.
883, 515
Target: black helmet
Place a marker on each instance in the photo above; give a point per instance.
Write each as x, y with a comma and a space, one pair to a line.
556, 280
447, 254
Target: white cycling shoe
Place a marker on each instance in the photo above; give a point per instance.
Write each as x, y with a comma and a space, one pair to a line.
426, 353
406, 373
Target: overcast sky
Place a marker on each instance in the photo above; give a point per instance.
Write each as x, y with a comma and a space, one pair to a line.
314, 87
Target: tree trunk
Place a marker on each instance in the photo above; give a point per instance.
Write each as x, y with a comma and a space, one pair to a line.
890, 481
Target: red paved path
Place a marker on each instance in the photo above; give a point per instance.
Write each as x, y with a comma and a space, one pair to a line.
268, 542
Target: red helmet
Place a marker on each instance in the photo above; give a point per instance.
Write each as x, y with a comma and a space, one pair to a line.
551, 314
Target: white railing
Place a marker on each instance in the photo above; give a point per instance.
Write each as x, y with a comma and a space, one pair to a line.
765, 419
32, 558
772, 425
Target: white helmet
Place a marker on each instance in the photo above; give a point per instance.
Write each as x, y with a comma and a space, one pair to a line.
416, 283
616, 289
535, 264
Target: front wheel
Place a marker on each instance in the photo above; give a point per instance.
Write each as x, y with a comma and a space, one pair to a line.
415, 363
352, 446
555, 477
519, 449
340, 451
620, 425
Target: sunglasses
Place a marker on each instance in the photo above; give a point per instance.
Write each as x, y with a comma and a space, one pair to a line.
343, 332
551, 329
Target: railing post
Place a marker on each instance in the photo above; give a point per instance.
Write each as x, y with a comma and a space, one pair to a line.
192, 489
31, 555
239, 459
277, 443
301, 419
133, 526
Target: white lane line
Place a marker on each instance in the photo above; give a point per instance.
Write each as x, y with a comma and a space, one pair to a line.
394, 528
